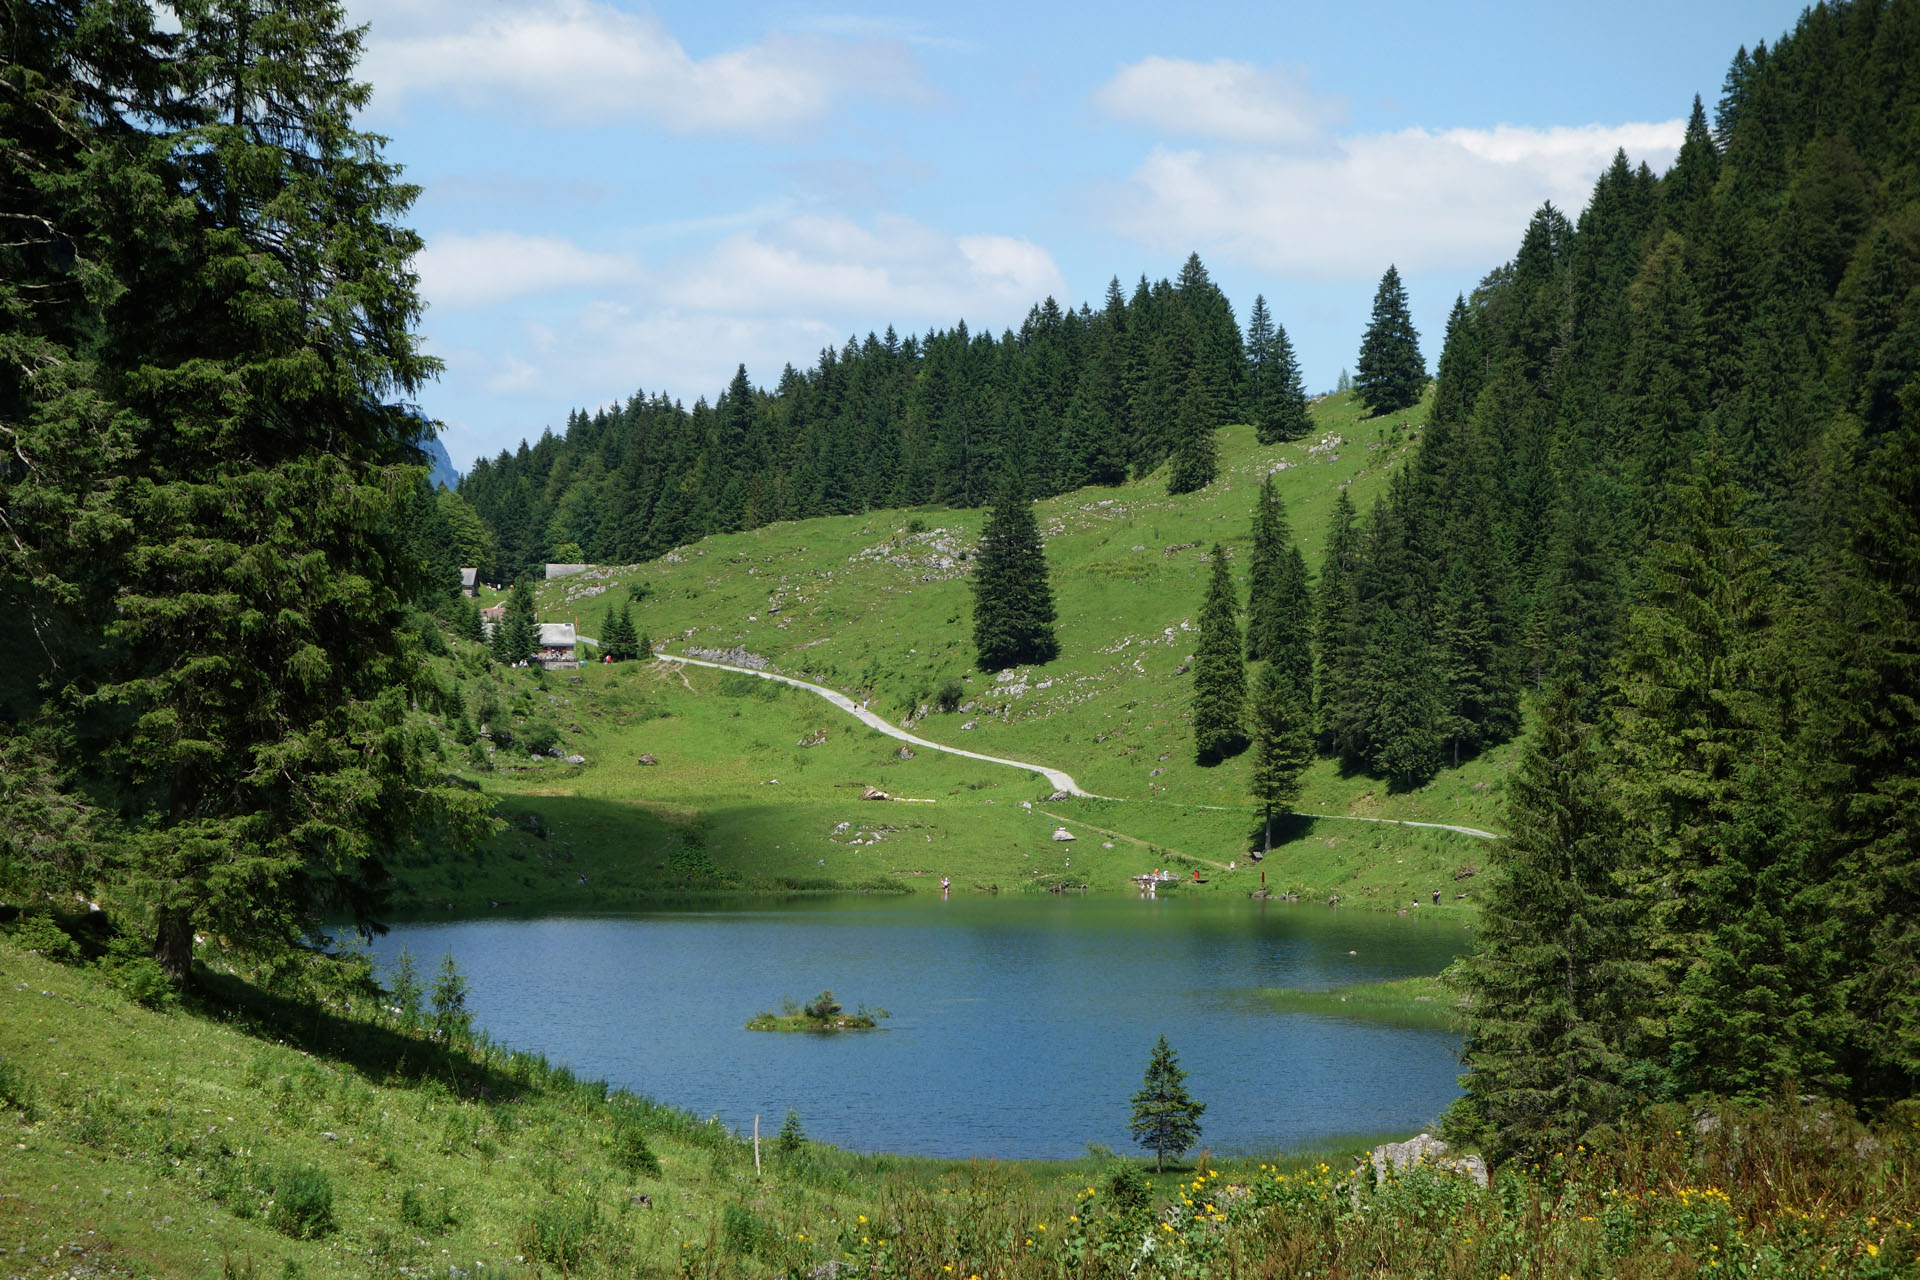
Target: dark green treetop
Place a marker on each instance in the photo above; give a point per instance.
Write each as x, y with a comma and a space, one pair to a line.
517, 633
1219, 672
1263, 572
619, 639
1279, 604
1282, 725
1391, 372
1276, 397
1013, 613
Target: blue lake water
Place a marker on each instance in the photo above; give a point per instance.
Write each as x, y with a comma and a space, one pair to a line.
1020, 1026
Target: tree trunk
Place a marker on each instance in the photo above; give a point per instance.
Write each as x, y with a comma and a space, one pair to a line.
173, 946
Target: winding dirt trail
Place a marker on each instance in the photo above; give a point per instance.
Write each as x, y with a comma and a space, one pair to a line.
1059, 780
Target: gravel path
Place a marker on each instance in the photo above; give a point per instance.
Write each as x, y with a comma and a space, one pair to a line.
1058, 780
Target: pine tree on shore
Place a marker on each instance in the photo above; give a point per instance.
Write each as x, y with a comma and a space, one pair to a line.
1553, 985
1165, 1117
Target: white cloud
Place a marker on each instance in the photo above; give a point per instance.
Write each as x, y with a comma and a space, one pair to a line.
1423, 200
580, 61
766, 298
895, 269
461, 272
1233, 101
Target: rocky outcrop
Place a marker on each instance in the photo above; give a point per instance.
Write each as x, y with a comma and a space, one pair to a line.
735, 657
1425, 1149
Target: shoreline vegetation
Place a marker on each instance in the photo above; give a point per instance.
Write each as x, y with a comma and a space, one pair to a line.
1418, 1002
821, 1014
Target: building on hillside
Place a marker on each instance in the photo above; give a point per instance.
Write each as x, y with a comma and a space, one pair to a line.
469, 582
564, 570
557, 646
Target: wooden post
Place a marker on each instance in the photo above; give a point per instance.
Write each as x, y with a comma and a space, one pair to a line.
756, 1144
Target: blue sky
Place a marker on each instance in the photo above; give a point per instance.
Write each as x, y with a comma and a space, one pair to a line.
622, 197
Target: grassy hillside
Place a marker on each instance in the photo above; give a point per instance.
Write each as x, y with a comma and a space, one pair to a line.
877, 606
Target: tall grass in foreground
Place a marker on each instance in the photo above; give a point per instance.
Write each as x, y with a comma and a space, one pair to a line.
1790, 1190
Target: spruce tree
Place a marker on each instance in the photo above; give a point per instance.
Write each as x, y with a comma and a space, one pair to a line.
1391, 372
1219, 672
1282, 743
1270, 543
517, 634
211, 510
1276, 399
1196, 455
1280, 614
1462, 367
1335, 639
1554, 985
1405, 701
620, 641
1295, 650
1701, 735
1858, 750
466, 621
1013, 613
1165, 1119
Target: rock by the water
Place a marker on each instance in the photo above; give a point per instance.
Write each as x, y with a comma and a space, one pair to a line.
1424, 1148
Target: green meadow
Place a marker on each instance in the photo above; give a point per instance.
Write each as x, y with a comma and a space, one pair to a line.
755, 787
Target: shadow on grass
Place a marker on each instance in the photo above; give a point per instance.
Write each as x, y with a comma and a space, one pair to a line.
381, 1052
568, 853
1287, 828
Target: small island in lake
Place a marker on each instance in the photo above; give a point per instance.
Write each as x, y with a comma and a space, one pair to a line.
822, 1013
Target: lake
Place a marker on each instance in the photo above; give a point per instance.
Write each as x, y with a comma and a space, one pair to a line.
1020, 1026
